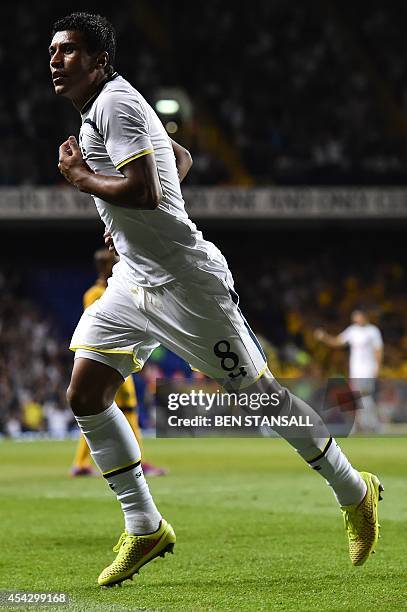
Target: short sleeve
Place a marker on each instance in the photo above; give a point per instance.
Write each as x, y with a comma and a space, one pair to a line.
377, 339
124, 128
346, 335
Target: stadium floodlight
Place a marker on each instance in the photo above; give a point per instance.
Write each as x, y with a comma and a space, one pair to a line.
173, 104
167, 106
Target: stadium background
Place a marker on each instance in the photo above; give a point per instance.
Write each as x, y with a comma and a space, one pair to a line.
305, 100
295, 115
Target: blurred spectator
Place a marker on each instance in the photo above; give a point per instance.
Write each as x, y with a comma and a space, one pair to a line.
32, 415
302, 93
34, 363
59, 418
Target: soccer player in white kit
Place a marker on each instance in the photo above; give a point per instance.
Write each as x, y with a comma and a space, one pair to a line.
365, 358
171, 286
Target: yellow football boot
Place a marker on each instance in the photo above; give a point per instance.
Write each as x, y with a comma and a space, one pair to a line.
362, 523
135, 551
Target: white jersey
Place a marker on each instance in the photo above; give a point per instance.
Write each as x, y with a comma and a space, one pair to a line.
155, 246
364, 341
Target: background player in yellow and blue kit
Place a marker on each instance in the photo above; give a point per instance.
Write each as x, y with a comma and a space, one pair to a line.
126, 397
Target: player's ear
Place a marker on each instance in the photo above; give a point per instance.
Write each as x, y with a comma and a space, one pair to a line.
102, 59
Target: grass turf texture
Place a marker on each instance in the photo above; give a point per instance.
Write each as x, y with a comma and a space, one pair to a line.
257, 529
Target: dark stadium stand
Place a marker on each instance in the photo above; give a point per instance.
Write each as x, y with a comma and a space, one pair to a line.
318, 94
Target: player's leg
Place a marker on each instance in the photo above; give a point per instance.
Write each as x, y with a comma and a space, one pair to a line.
82, 464
111, 440
203, 323
367, 415
126, 399
358, 493
225, 348
132, 418
116, 452
149, 469
314, 444
110, 343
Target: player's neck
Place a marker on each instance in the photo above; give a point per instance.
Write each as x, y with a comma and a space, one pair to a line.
83, 100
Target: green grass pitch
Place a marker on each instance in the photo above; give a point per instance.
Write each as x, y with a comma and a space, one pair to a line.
256, 529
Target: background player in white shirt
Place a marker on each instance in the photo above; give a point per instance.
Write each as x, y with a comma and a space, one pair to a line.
171, 287
365, 359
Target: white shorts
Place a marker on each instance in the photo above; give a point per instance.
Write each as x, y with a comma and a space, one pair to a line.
197, 318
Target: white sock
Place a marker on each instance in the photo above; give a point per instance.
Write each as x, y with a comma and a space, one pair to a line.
116, 452
315, 445
348, 485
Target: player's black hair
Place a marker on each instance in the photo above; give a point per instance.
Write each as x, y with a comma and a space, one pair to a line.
98, 33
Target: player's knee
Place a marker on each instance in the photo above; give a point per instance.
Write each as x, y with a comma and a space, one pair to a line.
267, 384
87, 401
75, 399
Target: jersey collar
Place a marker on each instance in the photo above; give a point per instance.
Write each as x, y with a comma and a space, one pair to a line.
93, 97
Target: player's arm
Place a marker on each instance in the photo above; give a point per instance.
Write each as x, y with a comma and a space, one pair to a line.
328, 339
378, 349
138, 188
379, 358
183, 159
